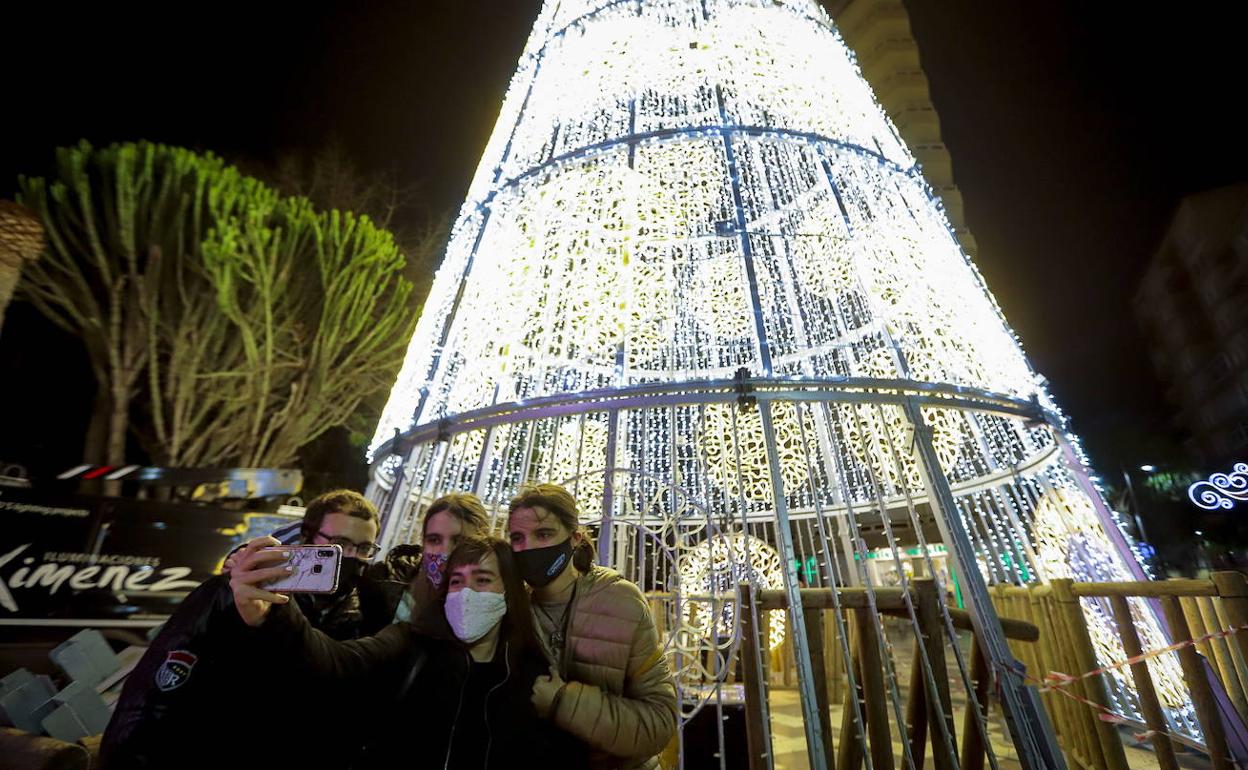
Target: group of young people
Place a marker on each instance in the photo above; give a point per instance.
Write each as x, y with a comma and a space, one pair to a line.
509, 653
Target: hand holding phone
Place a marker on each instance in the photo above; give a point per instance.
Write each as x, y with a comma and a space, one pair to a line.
314, 569
261, 560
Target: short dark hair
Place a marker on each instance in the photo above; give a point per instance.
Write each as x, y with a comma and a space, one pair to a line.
344, 501
464, 506
559, 502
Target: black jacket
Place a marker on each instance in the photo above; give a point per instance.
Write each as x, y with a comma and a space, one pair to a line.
385, 583
182, 705
412, 690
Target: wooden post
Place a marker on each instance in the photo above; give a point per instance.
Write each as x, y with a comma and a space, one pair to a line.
928, 595
873, 690
973, 739
916, 707
1149, 703
1239, 670
1195, 625
853, 735
1233, 607
818, 667
755, 686
1037, 599
1221, 654
1202, 694
1030, 651
1094, 687
1082, 740
832, 654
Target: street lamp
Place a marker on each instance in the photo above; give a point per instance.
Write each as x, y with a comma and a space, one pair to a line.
1135, 505
1202, 549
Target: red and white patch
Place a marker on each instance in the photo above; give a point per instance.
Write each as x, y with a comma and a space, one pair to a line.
176, 669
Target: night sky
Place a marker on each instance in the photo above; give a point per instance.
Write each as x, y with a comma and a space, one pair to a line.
1074, 129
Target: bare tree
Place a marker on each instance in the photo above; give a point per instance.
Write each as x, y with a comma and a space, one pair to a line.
331, 180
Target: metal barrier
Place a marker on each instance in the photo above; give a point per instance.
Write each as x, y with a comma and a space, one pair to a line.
1048, 631
928, 703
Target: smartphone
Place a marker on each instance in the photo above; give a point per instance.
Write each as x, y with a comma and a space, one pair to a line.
316, 569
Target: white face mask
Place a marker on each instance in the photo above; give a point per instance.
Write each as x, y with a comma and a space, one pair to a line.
473, 613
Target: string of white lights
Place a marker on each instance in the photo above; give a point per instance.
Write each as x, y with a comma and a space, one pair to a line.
675, 191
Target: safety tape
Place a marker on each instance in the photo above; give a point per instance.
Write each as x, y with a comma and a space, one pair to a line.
1055, 678
1056, 681
1103, 712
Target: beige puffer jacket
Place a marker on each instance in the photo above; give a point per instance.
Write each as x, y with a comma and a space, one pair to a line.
620, 698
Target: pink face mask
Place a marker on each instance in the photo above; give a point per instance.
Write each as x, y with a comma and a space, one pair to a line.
435, 567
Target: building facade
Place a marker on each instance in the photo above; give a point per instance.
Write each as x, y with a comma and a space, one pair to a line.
1193, 307
878, 32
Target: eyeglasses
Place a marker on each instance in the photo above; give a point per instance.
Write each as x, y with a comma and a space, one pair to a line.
362, 550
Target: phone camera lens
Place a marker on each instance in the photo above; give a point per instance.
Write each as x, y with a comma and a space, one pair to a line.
326, 554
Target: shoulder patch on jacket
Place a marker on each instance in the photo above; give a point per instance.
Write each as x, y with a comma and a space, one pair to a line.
176, 670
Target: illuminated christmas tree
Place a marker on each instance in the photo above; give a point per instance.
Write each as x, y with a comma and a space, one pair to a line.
700, 279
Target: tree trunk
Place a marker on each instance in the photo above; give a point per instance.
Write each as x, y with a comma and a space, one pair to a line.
118, 427
95, 446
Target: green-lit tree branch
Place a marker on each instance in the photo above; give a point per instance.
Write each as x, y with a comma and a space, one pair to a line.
110, 215
249, 322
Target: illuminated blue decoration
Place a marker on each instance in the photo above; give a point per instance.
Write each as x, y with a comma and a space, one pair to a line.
1221, 490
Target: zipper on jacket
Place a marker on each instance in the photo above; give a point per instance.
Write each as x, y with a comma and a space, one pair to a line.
450, 744
489, 734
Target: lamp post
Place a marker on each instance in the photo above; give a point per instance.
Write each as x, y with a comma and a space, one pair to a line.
1135, 504
21, 240
1202, 551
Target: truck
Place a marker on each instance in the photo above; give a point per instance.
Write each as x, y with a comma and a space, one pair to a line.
70, 561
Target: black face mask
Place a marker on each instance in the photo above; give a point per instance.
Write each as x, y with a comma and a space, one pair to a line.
349, 575
539, 566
